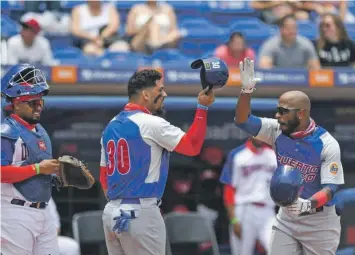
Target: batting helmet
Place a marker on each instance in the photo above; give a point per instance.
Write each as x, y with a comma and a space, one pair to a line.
214, 72
286, 185
23, 80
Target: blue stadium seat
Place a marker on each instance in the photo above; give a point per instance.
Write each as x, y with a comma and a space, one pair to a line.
8, 27
201, 27
225, 12
350, 28
308, 29
167, 55
68, 5
71, 56
67, 53
11, 5
252, 29
60, 41
188, 9
117, 59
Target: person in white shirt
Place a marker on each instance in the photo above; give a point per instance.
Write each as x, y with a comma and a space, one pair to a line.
67, 245
29, 46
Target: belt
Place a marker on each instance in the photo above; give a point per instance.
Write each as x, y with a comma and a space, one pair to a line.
135, 201
319, 209
38, 205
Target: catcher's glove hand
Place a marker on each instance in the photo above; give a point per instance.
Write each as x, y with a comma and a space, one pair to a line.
74, 173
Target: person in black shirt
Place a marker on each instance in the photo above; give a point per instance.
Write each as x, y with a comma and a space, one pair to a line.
334, 47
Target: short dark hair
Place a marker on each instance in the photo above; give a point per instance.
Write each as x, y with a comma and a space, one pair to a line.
235, 34
281, 22
142, 79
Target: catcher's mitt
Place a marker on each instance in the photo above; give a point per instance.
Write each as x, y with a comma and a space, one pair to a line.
74, 173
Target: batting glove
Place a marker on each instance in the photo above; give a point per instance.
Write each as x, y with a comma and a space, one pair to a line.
300, 206
122, 222
247, 75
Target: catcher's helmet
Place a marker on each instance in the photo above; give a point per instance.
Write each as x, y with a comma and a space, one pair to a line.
286, 185
214, 72
23, 80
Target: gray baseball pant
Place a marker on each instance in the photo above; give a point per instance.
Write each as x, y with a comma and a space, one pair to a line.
146, 234
314, 234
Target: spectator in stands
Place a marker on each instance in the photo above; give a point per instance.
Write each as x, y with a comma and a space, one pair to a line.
29, 46
67, 245
95, 26
339, 7
334, 47
288, 50
272, 11
235, 50
152, 26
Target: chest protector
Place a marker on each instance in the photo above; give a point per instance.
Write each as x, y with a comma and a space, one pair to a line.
39, 187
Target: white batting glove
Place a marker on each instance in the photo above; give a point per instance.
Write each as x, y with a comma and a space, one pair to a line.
300, 206
247, 75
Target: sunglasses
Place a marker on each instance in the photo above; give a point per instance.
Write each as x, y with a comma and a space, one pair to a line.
283, 110
35, 103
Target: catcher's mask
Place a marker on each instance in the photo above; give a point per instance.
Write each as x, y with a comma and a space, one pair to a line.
286, 185
214, 72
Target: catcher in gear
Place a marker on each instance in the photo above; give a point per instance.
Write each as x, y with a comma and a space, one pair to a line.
28, 170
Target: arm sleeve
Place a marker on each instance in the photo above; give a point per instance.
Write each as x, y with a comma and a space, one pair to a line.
331, 168
191, 143
103, 170
265, 129
11, 173
227, 171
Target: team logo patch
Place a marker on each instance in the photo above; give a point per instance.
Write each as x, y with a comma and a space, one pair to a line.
333, 168
42, 145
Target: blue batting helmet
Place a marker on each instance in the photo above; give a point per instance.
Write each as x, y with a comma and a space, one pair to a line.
214, 72
286, 185
23, 80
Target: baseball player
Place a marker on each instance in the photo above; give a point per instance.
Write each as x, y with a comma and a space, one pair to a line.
310, 225
246, 175
27, 226
134, 164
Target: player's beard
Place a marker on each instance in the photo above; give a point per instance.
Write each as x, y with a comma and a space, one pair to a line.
31, 121
160, 112
291, 126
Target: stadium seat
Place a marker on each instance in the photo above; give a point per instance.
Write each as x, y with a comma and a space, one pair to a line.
167, 55
8, 27
225, 12
68, 5
7, 6
119, 59
88, 227
307, 29
350, 28
190, 227
252, 29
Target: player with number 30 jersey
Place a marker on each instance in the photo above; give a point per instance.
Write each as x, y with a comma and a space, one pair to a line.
134, 164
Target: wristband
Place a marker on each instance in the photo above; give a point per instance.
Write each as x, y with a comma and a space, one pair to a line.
37, 168
234, 221
203, 107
